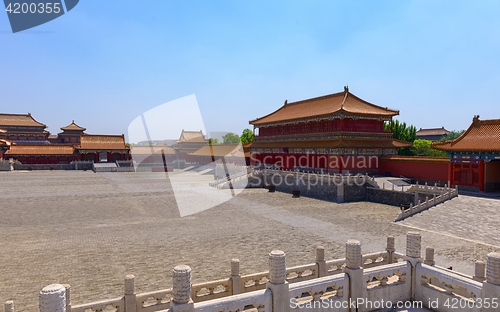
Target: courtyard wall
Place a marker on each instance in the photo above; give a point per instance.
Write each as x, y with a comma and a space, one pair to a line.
422, 169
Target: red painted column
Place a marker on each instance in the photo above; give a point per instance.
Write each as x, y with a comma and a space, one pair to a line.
450, 174
481, 175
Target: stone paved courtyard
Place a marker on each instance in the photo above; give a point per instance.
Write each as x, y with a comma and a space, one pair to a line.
90, 230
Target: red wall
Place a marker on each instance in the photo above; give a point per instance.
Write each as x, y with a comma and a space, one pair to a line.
353, 125
425, 169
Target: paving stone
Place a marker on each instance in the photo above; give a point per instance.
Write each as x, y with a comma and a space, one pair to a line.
91, 230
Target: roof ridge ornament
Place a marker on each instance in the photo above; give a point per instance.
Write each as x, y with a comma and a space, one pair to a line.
346, 91
475, 120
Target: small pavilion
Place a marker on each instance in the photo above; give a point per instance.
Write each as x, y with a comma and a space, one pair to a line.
189, 142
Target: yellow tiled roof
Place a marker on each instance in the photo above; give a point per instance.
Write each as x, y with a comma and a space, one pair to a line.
482, 135
73, 126
23, 120
41, 149
102, 142
323, 106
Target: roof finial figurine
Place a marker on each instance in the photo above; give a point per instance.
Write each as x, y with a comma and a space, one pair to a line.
286, 102
346, 88
475, 120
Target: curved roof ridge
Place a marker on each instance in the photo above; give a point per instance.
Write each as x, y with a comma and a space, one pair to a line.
473, 125
73, 126
284, 105
440, 128
27, 116
323, 106
317, 98
482, 135
109, 135
373, 105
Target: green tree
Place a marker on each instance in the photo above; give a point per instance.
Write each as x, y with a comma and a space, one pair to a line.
400, 131
423, 148
452, 135
213, 141
231, 138
247, 136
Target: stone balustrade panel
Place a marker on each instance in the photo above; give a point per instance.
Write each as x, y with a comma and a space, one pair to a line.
154, 301
260, 300
334, 267
375, 259
254, 282
391, 282
301, 273
117, 305
212, 290
446, 286
320, 292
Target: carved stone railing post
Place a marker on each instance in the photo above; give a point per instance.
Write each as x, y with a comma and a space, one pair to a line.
353, 254
181, 290
493, 268
9, 306
479, 271
353, 268
413, 245
235, 276
413, 255
429, 256
491, 287
67, 287
130, 297
52, 298
390, 249
277, 281
320, 261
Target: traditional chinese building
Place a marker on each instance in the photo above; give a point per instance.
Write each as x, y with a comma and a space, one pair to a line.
22, 129
4, 144
99, 148
338, 132
432, 134
475, 156
71, 134
42, 153
160, 154
24, 139
189, 142
230, 153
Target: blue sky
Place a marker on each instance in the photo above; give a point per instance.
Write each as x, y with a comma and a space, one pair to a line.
106, 62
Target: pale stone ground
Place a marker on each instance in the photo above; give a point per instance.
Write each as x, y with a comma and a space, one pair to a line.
90, 230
